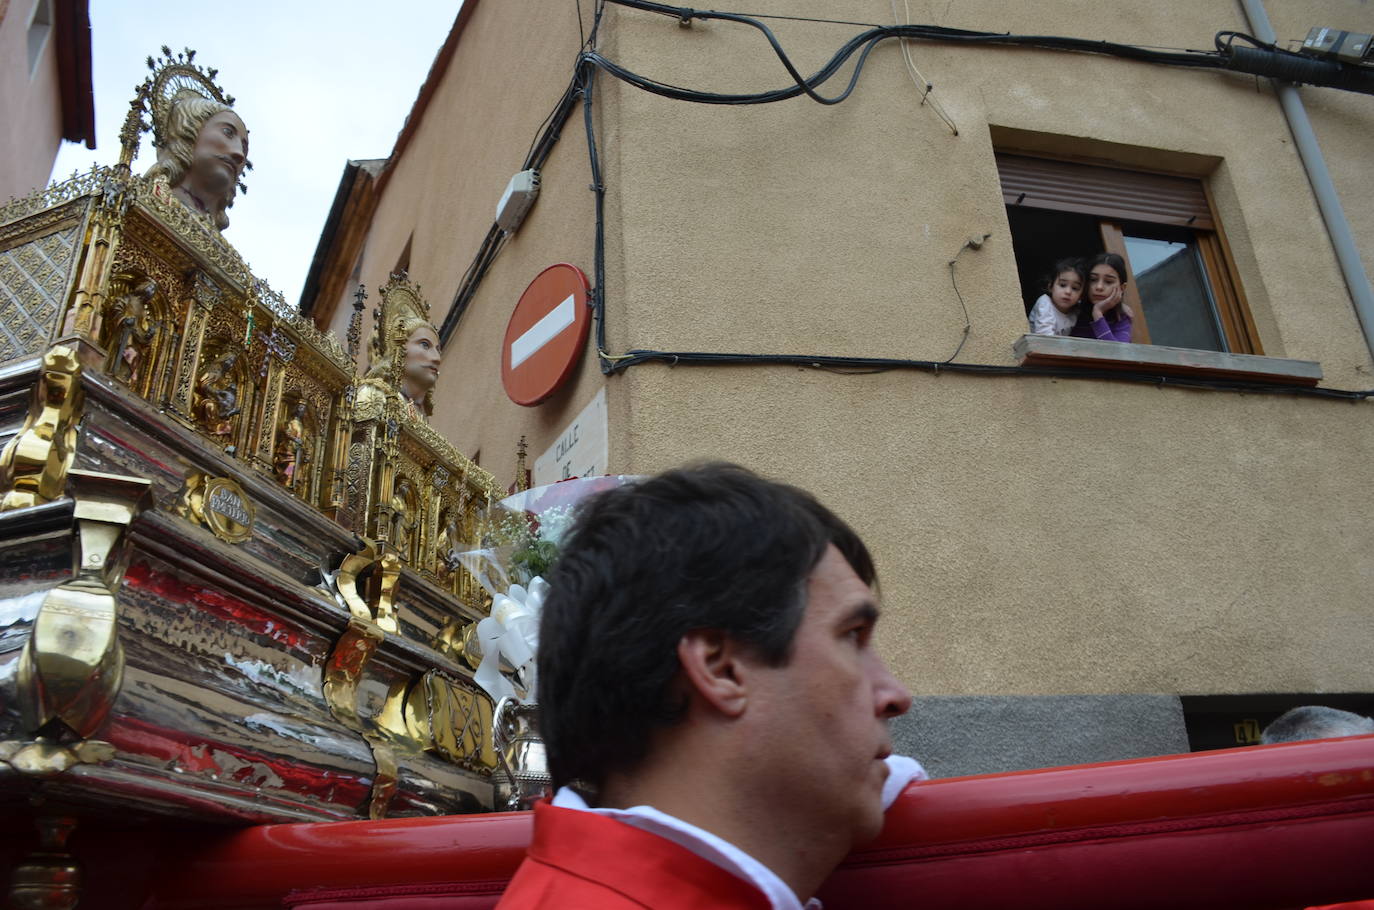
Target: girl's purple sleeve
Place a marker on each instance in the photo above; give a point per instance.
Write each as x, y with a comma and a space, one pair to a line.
1107, 331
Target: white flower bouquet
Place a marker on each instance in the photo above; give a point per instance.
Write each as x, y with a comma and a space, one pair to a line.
519, 544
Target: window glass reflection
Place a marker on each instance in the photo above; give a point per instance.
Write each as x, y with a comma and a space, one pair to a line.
1174, 293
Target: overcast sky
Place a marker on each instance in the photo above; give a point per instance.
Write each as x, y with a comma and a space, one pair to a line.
316, 83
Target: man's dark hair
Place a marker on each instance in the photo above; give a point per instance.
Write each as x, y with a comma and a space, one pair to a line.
713, 546
1315, 722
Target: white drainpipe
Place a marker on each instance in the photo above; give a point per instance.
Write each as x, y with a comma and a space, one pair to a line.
1330, 204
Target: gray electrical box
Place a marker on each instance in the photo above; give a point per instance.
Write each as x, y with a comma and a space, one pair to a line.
515, 202
1348, 47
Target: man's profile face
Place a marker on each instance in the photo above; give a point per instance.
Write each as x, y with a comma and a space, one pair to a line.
220, 154
422, 355
822, 726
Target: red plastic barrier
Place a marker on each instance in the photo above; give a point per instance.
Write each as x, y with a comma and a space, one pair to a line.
1267, 827
1275, 826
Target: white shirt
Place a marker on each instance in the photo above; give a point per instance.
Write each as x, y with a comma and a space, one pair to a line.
901, 771
1047, 319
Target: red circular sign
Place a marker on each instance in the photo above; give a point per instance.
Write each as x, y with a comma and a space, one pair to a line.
546, 334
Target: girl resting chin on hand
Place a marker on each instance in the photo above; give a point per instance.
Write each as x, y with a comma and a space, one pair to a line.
1104, 316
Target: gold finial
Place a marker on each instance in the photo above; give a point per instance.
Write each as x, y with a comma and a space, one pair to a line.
522, 473
355, 323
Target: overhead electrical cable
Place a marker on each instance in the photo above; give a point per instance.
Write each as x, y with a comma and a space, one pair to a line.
1263, 60
1257, 59
869, 365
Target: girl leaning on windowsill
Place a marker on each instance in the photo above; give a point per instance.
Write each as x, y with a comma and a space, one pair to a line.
1057, 310
1103, 315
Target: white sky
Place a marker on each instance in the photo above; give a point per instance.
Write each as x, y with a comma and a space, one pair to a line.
316, 83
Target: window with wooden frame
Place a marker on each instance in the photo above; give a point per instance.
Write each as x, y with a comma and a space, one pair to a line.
1182, 287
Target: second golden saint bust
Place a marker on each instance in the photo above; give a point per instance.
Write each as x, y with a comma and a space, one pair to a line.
403, 355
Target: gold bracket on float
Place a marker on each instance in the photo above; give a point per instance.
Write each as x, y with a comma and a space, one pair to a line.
458, 639
34, 464
380, 606
451, 720
370, 620
342, 674
72, 665
344, 670
428, 712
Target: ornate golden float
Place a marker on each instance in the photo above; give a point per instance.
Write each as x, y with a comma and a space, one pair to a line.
227, 589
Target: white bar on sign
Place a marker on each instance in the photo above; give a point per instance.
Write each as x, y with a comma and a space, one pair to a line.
543, 331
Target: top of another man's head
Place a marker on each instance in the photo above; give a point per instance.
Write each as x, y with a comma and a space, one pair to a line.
1315, 722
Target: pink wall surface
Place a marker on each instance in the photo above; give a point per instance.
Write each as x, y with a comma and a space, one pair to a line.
30, 103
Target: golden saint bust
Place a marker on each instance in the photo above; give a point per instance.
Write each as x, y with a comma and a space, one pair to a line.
403, 355
203, 153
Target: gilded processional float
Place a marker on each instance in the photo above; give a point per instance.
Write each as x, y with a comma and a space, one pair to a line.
228, 588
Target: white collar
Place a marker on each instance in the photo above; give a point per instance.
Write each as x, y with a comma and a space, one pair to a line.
703, 843
902, 771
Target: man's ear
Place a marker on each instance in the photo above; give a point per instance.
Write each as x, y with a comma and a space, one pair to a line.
710, 663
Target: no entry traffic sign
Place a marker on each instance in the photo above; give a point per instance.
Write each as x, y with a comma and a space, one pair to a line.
546, 334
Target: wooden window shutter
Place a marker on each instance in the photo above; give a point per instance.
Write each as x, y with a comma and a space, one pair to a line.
1106, 192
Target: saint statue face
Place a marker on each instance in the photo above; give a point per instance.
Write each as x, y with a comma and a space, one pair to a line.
421, 368
220, 154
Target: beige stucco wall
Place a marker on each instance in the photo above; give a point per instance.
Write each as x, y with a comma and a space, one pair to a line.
30, 106
1034, 535
473, 138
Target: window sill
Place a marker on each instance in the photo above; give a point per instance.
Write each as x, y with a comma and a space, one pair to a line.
1058, 351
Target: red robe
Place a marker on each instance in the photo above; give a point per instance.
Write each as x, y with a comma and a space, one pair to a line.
583, 861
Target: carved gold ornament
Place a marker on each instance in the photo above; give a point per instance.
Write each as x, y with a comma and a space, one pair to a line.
219, 504
342, 674
344, 670
370, 620
444, 717
378, 604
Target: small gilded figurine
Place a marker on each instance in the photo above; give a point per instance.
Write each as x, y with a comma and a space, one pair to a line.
402, 516
403, 355
135, 327
217, 395
292, 451
449, 544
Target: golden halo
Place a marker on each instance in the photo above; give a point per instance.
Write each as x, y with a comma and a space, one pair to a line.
173, 76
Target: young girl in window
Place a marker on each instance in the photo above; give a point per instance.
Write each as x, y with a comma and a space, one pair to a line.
1104, 316
1056, 312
